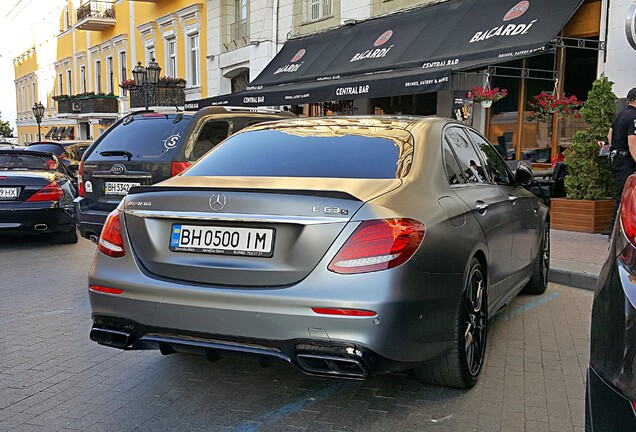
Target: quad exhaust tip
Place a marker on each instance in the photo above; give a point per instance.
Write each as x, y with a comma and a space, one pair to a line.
93, 238
333, 365
112, 338
41, 227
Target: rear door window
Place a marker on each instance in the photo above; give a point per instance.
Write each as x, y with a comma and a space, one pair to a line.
453, 172
299, 152
211, 134
148, 136
469, 161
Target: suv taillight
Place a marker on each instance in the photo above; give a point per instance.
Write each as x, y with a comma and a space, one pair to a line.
80, 180
178, 167
50, 192
378, 245
628, 209
111, 242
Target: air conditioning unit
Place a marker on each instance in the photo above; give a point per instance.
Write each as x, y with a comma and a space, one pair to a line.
75, 107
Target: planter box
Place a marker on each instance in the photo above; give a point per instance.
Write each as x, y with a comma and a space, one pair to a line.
580, 215
63, 106
98, 105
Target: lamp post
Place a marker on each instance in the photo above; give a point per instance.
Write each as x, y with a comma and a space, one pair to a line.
146, 79
38, 113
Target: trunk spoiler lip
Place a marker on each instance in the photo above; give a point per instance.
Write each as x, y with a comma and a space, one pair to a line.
321, 193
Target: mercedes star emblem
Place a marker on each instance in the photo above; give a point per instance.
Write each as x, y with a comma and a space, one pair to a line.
217, 201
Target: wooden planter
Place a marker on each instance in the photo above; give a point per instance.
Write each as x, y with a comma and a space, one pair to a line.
580, 215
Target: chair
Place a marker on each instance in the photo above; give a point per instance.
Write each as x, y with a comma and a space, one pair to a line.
554, 187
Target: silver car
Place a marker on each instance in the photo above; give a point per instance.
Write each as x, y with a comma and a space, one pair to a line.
346, 246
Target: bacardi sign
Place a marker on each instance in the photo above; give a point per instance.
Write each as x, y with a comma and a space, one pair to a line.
506, 30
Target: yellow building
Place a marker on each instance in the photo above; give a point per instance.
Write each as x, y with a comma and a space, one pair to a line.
97, 45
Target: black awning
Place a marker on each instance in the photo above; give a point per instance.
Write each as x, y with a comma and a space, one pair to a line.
50, 132
391, 54
56, 134
66, 132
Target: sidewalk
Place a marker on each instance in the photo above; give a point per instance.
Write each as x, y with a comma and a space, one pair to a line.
576, 258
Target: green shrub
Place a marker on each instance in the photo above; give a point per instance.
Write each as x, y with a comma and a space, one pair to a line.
589, 176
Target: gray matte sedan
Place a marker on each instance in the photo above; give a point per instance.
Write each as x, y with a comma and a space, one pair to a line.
347, 246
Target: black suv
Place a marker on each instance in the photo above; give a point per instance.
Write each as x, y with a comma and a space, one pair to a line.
147, 147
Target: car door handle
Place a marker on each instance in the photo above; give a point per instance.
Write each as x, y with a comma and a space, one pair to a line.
481, 207
512, 198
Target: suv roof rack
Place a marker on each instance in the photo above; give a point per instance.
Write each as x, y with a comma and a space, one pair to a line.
229, 109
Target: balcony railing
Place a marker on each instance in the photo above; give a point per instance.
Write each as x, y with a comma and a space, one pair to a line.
96, 15
238, 30
88, 105
160, 95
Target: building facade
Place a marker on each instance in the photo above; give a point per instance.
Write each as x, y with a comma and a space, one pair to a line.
95, 48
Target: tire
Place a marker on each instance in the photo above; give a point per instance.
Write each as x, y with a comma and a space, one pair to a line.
65, 237
538, 283
461, 365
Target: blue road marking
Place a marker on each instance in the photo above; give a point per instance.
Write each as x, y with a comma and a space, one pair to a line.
286, 410
511, 313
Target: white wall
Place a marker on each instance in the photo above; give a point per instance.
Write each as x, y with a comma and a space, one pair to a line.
620, 65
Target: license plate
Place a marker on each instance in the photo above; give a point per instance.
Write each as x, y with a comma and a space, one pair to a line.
222, 240
118, 188
9, 193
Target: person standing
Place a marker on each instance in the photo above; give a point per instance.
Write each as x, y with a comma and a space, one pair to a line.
622, 139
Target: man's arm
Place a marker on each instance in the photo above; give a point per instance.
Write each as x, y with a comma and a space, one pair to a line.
631, 142
609, 137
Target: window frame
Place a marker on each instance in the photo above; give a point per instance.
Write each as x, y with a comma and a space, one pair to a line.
98, 76
82, 79
194, 61
461, 130
110, 75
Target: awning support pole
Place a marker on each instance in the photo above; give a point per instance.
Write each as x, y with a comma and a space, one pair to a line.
520, 108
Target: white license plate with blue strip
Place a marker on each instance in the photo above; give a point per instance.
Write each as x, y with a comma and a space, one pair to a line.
222, 240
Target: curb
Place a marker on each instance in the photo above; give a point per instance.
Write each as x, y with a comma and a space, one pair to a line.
573, 278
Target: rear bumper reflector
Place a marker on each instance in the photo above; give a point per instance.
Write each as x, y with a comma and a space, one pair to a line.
107, 290
344, 312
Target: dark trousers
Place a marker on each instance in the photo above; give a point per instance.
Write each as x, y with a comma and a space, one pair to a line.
623, 167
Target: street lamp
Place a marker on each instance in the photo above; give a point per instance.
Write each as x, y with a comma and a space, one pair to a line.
38, 113
146, 78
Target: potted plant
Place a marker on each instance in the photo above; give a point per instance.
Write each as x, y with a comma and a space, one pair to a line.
590, 182
486, 96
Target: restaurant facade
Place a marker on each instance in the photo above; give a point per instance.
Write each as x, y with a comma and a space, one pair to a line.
423, 58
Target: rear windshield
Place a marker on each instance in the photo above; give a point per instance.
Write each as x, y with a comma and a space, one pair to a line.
304, 153
49, 148
147, 136
23, 162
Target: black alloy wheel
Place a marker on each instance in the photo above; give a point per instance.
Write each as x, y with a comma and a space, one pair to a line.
545, 258
538, 283
475, 321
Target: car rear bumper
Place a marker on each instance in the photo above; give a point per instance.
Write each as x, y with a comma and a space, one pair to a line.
414, 323
607, 409
89, 222
36, 219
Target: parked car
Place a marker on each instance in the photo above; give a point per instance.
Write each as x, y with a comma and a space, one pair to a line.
611, 377
66, 151
347, 246
36, 195
148, 147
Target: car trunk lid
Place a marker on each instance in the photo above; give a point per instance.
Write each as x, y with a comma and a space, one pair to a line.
248, 232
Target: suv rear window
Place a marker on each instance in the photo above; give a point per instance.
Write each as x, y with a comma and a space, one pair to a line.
299, 152
151, 136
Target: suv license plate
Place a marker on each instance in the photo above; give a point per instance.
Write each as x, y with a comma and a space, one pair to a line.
118, 188
222, 240
8, 193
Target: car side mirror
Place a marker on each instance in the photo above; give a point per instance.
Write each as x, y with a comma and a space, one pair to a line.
523, 174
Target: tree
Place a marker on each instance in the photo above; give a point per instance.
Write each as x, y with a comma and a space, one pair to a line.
5, 130
589, 176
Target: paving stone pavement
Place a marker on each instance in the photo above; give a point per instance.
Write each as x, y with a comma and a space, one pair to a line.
53, 378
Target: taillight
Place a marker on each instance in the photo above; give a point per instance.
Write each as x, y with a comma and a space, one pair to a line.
111, 242
628, 210
50, 192
378, 245
178, 167
80, 180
